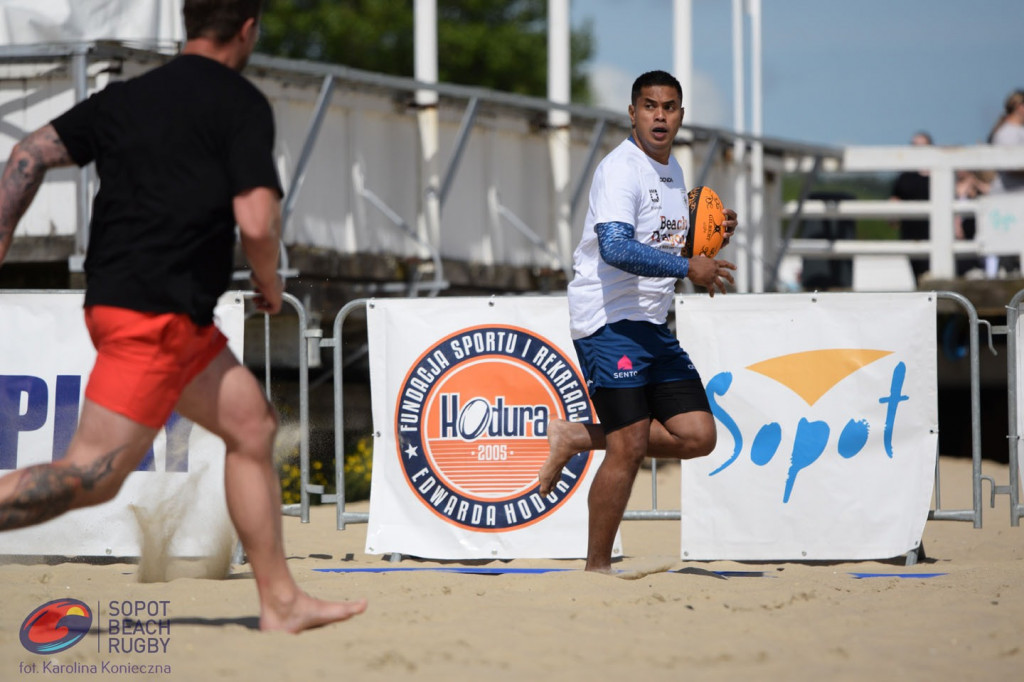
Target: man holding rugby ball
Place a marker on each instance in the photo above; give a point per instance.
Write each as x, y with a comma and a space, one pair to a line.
646, 391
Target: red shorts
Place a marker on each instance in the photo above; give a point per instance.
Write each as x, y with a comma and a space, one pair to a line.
145, 360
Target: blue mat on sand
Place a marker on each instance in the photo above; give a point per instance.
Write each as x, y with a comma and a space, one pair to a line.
896, 575
481, 570
502, 570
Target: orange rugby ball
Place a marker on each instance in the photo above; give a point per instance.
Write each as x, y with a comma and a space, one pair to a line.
706, 233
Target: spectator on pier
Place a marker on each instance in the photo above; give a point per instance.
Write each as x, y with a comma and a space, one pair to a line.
914, 186
1008, 131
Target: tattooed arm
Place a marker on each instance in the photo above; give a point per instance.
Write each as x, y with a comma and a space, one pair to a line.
30, 159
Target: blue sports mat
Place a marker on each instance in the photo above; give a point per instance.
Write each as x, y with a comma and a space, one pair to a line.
500, 570
484, 570
897, 575
481, 570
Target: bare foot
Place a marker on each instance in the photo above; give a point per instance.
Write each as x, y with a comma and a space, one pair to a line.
560, 451
306, 613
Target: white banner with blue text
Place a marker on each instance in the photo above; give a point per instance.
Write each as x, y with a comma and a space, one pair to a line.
827, 422
177, 493
463, 391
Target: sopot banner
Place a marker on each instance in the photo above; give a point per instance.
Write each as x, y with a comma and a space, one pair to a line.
827, 423
45, 359
463, 391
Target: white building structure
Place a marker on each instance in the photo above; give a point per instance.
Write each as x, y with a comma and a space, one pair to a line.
428, 185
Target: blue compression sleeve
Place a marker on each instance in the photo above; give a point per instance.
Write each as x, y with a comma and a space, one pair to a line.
620, 248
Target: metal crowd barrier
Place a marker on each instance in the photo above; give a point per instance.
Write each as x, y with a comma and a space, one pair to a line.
653, 514
334, 342
974, 514
1012, 379
302, 508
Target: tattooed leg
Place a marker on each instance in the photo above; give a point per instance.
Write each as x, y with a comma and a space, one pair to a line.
45, 491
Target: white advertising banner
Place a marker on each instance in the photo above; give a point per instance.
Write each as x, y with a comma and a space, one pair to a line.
156, 23
1001, 224
45, 359
826, 407
463, 390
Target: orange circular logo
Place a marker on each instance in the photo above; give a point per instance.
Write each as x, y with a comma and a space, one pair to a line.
471, 426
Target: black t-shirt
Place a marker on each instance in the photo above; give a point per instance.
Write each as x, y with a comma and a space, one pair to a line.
172, 149
912, 186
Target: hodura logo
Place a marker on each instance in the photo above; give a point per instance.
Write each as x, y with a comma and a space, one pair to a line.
472, 421
811, 375
56, 626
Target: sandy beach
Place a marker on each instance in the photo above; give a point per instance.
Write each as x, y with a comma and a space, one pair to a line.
659, 619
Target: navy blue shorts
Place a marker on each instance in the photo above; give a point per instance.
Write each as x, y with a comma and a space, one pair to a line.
637, 370
627, 354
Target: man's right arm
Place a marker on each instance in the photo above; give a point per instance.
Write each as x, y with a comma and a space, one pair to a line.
22, 176
619, 248
258, 213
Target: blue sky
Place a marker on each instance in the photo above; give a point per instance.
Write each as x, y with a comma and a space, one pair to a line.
865, 72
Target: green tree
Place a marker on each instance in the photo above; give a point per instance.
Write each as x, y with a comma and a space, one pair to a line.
496, 44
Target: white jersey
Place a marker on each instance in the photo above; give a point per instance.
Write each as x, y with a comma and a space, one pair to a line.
1010, 135
628, 187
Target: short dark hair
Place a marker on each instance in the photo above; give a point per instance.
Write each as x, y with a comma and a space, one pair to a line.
1013, 100
646, 80
219, 20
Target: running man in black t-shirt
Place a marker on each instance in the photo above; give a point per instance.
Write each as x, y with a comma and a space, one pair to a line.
183, 153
